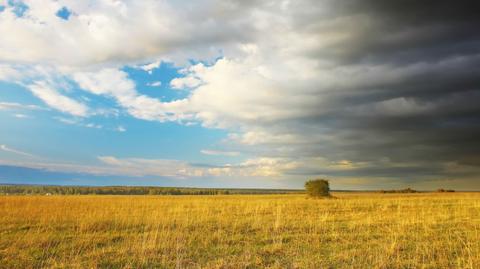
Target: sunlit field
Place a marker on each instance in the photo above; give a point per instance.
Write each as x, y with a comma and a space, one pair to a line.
365, 230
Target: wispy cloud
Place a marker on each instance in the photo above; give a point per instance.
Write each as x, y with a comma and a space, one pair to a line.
219, 152
150, 67
155, 84
67, 121
111, 165
78, 122
17, 106
48, 94
21, 116
18, 152
120, 129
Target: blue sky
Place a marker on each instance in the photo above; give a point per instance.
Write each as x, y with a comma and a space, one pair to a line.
239, 94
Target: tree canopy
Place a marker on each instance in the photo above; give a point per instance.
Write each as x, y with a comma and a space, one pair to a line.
317, 188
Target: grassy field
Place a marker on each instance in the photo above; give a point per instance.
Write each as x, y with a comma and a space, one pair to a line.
241, 231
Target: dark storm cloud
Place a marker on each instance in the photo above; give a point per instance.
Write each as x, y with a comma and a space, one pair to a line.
397, 31
406, 172
421, 105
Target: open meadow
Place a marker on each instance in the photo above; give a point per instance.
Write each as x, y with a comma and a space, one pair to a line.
354, 230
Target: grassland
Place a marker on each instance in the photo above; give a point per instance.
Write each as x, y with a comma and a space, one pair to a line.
241, 231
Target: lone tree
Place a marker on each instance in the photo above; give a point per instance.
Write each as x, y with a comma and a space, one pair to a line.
317, 188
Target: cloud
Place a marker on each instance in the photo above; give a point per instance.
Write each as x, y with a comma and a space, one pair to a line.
8, 73
17, 106
157, 167
21, 116
160, 30
219, 152
255, 167
18, 152
67, 121
78, 122
150, 67
93, 125
120, 129
54, 99
155, 84
270, 168
185, 82
116, 84
263, 167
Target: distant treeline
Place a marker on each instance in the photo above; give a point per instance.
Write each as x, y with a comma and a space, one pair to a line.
409, 190
124, 190
444, 190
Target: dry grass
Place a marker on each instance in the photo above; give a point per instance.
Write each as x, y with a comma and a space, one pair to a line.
269, 231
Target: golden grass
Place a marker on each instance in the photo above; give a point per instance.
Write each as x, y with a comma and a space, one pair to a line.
241, 231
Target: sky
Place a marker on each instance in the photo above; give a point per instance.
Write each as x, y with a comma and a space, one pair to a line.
234, 93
